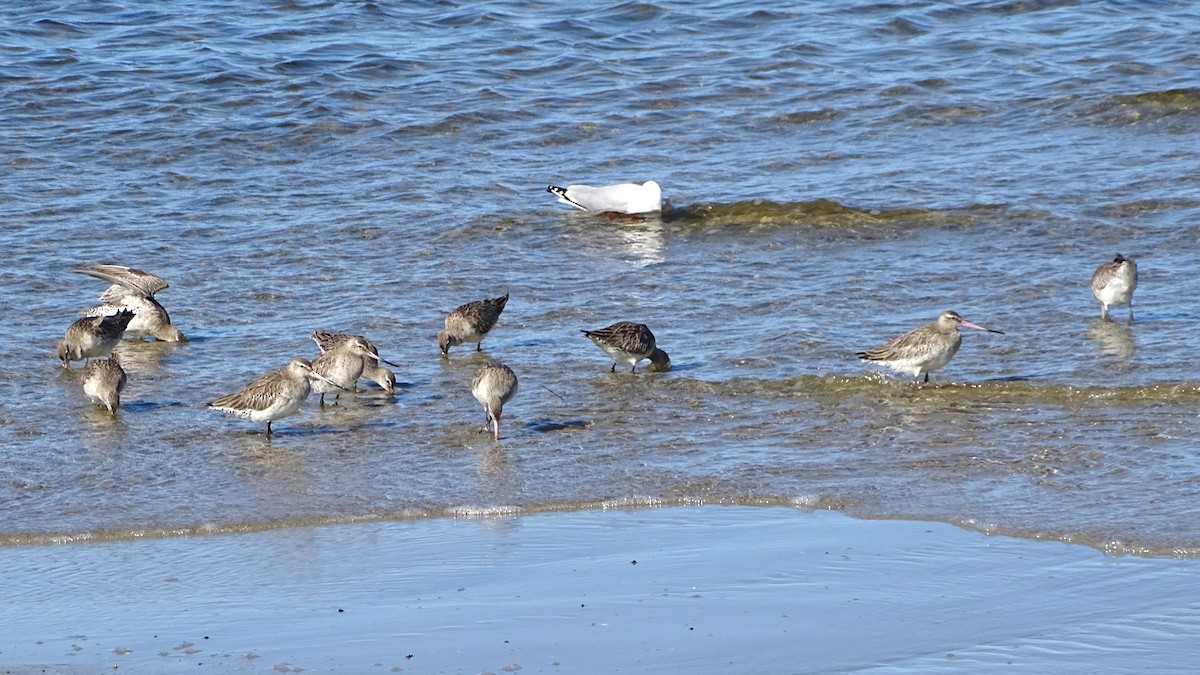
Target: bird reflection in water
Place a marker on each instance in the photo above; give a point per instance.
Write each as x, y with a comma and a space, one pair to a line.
1113, 338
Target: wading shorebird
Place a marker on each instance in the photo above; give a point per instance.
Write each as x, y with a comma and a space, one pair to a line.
134, 290
924, 350
471, 323
103, 382
628, 342
385, 378
494, 385
1113, 285
628, 198
273, 396
92, 337
341, 366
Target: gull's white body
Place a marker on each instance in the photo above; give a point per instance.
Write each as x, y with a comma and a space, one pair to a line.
628, 198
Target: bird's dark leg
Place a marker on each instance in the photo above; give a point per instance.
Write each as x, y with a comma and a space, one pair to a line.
927, 377
633, 368
322, 401
1131, 313
268, 428
479, 345
614, 368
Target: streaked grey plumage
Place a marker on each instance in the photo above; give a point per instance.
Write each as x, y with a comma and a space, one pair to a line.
341, 366
273, 396
925, 349
628, 342
494, 385
628, 198
134, 290
1113, 284
92, 337
103, 382
471, 323
385, 378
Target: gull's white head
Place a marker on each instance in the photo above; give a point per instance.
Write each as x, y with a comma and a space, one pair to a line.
649, 200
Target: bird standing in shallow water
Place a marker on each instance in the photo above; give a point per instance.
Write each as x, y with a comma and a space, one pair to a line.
273, 396
1113, 284
103, 382
134, 290
342, 365
924, 350
628, 342
92, 337
470, 323
628, 198
385, 378
494, 385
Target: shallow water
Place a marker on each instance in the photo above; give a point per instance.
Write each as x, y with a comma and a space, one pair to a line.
698, 590
837, 175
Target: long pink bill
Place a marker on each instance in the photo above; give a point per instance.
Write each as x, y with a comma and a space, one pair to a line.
968, 324
381, 359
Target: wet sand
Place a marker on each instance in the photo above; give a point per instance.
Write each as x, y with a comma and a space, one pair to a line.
705, 589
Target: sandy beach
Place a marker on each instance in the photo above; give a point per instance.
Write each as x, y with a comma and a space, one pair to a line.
704, 589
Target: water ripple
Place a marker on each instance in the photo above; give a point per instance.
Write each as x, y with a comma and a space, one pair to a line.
837, 174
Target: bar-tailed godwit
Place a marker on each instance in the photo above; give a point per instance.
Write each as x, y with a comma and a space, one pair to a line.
93, 336
628, 342
103, 382
1113, 284
494, 385
924, 350
341, 366
134, 290
371, 369
273, 396
471, 323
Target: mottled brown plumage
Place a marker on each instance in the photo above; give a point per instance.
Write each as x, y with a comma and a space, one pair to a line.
134, 290
1113, 284
273, 396
471, 323
925, 349
628, 342
494, 385
385, 378
103, 382
92, 337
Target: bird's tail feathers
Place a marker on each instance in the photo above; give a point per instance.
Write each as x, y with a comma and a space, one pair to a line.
562, 196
